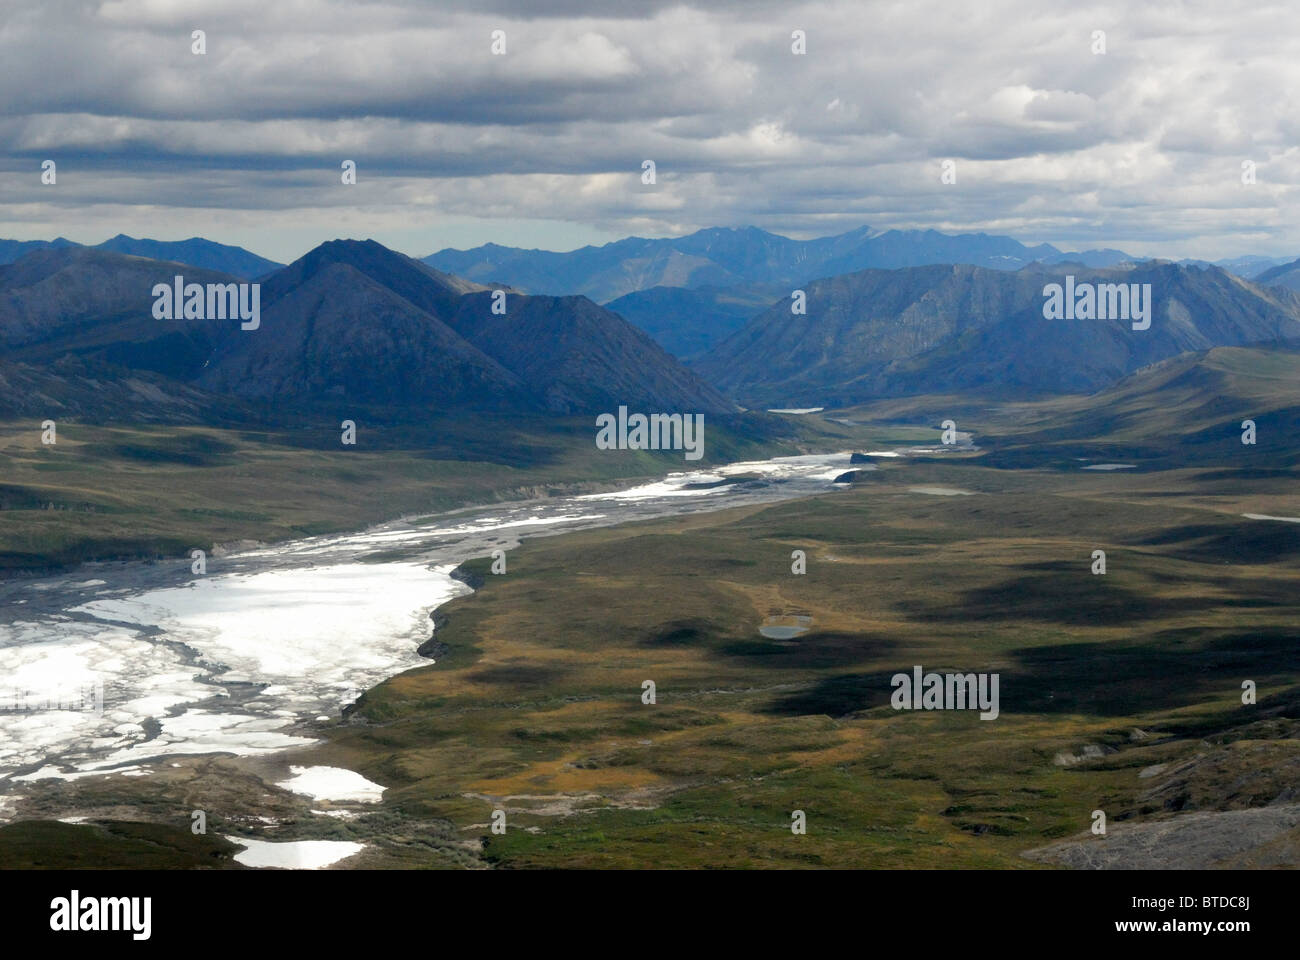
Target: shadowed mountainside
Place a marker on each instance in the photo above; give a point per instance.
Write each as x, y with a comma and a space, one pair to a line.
350, 320
967, 329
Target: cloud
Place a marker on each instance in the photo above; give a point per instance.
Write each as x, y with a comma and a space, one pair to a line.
1140, 147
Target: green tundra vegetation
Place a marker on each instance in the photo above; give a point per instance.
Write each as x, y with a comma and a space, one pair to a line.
536, 705
109, 492
1120, 692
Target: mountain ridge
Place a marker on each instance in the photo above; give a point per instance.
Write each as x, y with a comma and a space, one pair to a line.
194, 252
349, 321
728, 257
961, 328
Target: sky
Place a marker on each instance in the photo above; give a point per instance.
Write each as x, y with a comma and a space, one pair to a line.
1140, 147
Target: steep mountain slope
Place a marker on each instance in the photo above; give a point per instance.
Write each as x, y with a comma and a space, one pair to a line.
339, 334
688, 321
1192, 310
99, 305
355, 320
855, 327
932, 329
577, 357
1284, 275
424, 287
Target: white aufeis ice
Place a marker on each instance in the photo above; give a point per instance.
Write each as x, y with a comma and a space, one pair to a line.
332, 783
295, 854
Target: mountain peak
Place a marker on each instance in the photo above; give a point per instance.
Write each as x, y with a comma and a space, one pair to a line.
424, 287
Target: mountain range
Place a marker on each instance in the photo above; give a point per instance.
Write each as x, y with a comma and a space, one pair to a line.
195, 252
942, 329
689, 292
354, 323
1249, 267
726, 257
351, 323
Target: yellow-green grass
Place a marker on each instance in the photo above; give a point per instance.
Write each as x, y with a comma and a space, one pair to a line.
536, 708
120, 492
535, 705
51, 845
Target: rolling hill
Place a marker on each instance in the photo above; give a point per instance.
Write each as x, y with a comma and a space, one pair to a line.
1186, 411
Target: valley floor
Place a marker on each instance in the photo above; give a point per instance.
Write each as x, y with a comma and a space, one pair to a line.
117, 492
1120, 693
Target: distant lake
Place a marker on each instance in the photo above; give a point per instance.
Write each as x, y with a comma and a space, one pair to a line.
785, 627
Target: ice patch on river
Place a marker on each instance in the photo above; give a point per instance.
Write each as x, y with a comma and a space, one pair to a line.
294, 854
302, 638
817, 467
277, 636
416, 536
54, 658
308, 631
1265, 516
332, 783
